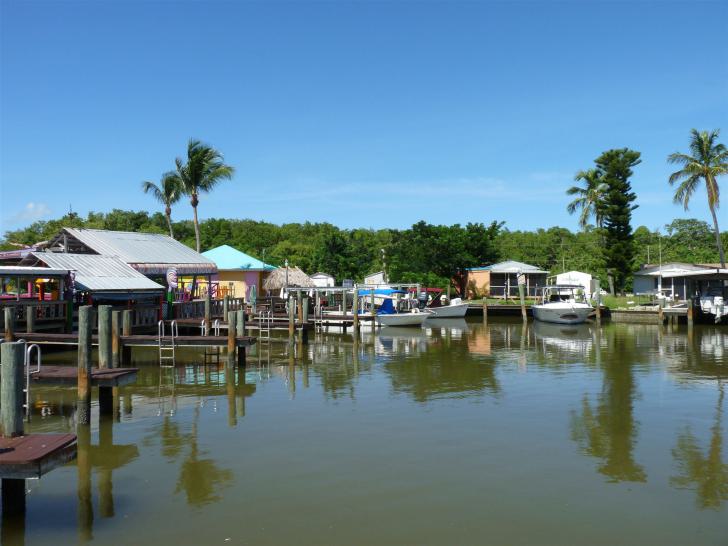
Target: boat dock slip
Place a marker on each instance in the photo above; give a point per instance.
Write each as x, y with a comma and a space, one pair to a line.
100, 377
25, 457
136, 340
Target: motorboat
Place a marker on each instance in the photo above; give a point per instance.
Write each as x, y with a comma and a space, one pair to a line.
456, 308
562, 304
713, 303
401, 314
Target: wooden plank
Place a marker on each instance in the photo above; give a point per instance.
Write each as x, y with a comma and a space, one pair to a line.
33, 455
67, 375
139, 340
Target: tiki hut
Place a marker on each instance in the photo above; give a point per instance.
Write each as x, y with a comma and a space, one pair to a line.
296, 278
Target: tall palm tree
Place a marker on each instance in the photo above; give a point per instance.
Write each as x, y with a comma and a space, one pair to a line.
707, 160
201, 172
168, 192
589, 198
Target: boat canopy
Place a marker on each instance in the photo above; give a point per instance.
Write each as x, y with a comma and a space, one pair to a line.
387, 308
382, 291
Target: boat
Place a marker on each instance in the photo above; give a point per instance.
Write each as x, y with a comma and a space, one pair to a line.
455, 309
713, 303
562, 304
390, 315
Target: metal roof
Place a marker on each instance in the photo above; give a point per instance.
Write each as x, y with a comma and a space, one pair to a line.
99, 273
39, 272
509, 266
229, 258
139, 248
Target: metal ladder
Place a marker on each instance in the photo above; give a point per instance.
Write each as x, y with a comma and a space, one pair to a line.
265, 323
167, 346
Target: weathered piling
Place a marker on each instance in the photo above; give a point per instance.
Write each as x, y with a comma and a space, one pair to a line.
373, 311
104, 329
291, 319
299, 306
126, 331
304, 307
232, 331
225, 306
9, 323
11, 420
598, 288
691, 310
522, 296
355, 311
240, 322
115, 339
85, 325
485, 309
30, 319
208, 313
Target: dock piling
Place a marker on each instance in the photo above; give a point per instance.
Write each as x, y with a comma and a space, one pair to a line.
355, 312
115, 339
291, 319
598, 291
691, 310
104, 329
9, 324
232, 331
11, 421
85, 325
208, 313
126, 331
240, 322
522, 296
30, 319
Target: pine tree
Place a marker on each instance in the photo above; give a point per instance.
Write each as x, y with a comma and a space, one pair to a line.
615, 168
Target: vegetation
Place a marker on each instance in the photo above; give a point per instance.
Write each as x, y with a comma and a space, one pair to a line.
589, 199
424, 253
707, 160
168, 192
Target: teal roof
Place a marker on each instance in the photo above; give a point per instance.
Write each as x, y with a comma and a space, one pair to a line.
227, 257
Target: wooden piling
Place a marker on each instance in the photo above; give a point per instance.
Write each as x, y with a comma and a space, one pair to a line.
691, 311
115, 339
225, 306
598, 288
373, 311
104, 329
299, 306
30, 319
125, 331
305, 308
232, 330
355, 311
485, 309
208, 313
85, 325
9, 323
291, 319
660, 315
521, 295
11, 389
69, 317
240, 322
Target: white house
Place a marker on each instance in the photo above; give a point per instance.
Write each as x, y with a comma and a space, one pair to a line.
323, 280
576, 278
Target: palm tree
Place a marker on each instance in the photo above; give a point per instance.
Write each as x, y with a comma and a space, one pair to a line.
589, 198
707, 160
168, 192
202, 171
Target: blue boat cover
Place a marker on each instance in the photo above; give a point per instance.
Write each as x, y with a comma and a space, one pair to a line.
387, 308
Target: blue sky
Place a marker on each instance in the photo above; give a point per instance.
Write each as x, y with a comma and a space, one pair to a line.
372, 114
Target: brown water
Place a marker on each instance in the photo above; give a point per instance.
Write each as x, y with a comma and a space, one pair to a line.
458, 434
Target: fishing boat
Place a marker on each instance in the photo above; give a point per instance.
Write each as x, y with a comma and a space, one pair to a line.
454, 309
562, 304
400, 312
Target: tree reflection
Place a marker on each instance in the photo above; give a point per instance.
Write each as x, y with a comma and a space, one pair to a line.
706, 473
608, 429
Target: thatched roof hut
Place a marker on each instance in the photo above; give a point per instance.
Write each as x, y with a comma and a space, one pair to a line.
296, 278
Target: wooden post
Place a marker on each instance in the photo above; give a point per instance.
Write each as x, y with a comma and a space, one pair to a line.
305, 308
30, 319
485, 309
291, 319
240, 322
299, 306
225, 306
231, 341
11, 389
691, 310
598, 288
660, 315
115, 339
104, 329
125, 331
355, 311
521, 295
9, 323
208, 311
373, 311
85, 325
343, 303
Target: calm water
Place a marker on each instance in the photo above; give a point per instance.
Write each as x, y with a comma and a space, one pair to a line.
458, 434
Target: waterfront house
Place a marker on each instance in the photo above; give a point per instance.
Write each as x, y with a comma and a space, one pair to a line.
323, 280
678, 281
501, 280
237, 271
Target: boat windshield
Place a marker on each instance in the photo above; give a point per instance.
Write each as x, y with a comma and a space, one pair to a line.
563, 293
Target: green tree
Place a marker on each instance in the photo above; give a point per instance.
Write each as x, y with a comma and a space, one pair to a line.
708, 159
615, 168
168, 192
202, 171
589, 198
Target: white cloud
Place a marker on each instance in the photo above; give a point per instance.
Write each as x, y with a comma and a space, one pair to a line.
30, 213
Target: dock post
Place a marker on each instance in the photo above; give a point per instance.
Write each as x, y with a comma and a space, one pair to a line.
304, 307
83, 486
299, 306
521, 295
30, 319
660, 315
125, 331
355, 312
240, 322
104, 329
11, 422
231, 340
208, 313
373, 311
485, 309
598, 291
85, 325
115, 339
225, 306
691, 310
9, 324
291, 319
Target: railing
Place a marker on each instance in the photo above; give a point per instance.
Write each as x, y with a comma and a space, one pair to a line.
145, 315
44, 310
512, 291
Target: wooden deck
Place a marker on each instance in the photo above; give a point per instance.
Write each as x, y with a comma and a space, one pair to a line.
33, 455
68, 375
136, 340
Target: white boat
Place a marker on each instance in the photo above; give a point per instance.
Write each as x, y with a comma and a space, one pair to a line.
455, 309
562, 304
414, 317
714, 304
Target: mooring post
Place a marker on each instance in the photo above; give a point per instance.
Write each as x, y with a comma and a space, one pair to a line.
240, 322
11, 419
355, 311
485, 309
373, 311
30, 319
231, 340
598, 292
522, 296
104, 329
291, 319
691, 310
125, 331
83, 487
115, 339
208, 313
304, 306
299, 306
9, 323
85, 325
660, 315
225, 306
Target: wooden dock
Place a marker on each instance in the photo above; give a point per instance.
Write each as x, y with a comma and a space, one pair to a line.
136, 340
68, 375
31, 456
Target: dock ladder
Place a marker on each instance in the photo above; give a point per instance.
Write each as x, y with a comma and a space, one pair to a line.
265, 324
167, 346
27, 365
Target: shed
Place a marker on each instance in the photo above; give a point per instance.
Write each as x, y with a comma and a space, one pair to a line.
323, 280
293, 275
237, 271
501, 280
375, 278
576, 278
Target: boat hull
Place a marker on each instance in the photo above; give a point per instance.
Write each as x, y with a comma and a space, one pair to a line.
562, 314
402, 319
457, 310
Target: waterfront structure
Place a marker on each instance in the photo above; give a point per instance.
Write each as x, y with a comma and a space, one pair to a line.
678, 281
576, 278
375, 278
284, 277
501, 280
237, 271
323, 280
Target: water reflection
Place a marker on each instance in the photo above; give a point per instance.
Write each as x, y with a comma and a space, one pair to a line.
706, 473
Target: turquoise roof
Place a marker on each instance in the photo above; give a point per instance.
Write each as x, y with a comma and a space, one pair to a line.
227, 257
